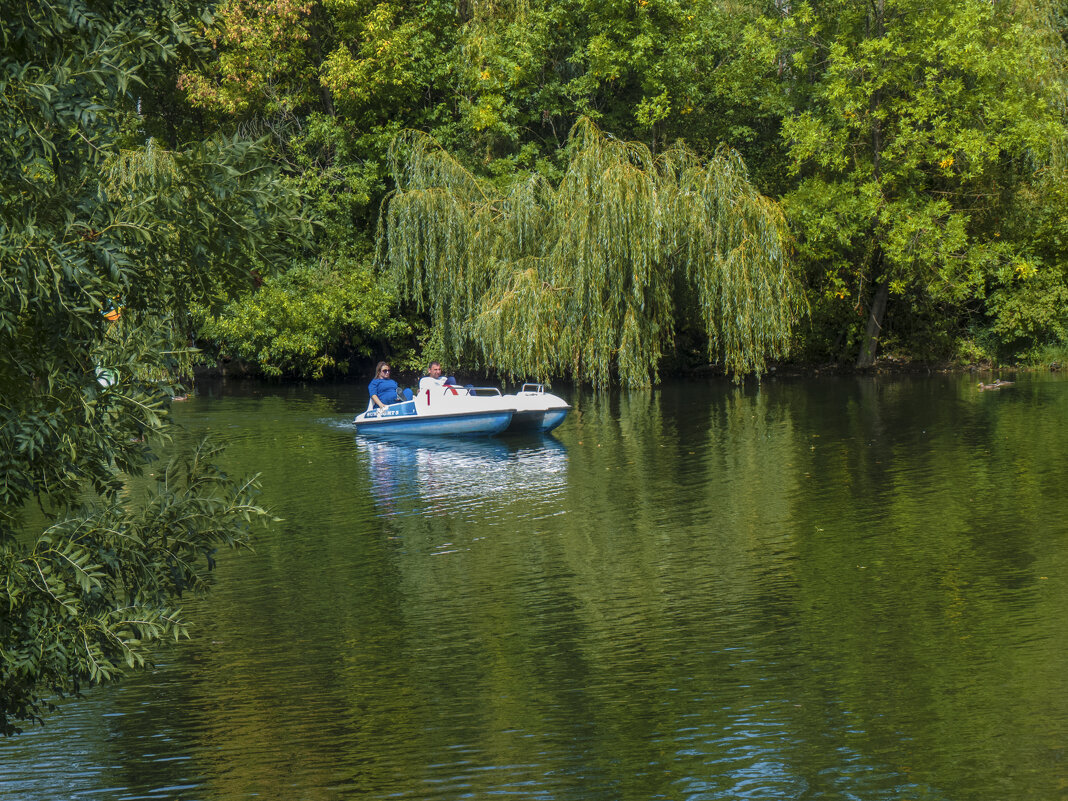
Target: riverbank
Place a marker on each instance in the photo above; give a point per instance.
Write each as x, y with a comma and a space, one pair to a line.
884, 366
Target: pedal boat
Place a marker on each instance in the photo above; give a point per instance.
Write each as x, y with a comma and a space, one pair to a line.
442, 411
536, 410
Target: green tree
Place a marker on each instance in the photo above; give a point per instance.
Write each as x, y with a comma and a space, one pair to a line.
588, 277
106, 240
1028, 302
261, 63
653, 70
499, 85
910, 128
331, 83
310, 321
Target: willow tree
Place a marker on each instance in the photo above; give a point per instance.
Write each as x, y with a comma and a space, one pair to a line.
586, 278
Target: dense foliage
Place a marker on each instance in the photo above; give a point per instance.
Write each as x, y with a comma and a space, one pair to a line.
107, 236
912, 130
308, 321
916, 151
590, 276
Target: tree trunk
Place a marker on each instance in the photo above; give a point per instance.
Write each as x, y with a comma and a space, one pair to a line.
875, 325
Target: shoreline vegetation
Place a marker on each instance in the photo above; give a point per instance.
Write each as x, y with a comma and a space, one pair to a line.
522, 184
883, 366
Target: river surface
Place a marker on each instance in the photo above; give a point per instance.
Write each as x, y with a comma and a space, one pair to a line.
835, 588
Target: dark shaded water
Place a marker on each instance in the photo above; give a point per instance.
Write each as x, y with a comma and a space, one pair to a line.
834, 589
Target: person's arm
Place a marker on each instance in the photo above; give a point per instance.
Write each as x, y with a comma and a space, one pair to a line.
377, 402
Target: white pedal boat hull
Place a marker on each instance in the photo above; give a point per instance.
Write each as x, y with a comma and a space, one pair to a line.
447, 411
536, 410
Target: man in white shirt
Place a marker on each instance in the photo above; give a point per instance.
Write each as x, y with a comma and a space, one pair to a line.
434, 380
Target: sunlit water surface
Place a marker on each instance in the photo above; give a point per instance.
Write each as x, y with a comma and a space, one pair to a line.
845, 588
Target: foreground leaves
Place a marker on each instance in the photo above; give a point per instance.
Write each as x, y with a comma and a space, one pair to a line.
107, 237
98, 588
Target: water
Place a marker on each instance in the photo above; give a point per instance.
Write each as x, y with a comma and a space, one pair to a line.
844, 588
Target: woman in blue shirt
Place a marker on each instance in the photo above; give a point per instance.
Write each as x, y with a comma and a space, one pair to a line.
383, 389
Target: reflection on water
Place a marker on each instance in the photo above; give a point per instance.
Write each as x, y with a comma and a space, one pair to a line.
464, 477
843, 589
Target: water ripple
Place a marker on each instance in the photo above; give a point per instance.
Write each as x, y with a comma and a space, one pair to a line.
834, 590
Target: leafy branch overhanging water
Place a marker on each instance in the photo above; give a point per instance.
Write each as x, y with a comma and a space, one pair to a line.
587, 278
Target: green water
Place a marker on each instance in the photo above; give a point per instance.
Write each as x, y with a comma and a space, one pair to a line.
826, 589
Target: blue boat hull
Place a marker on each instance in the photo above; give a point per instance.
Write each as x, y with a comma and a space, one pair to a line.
465, 423
529, 420
536, 420
536, 410
553, 418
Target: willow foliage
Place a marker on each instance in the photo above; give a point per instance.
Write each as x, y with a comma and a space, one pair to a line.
585, 278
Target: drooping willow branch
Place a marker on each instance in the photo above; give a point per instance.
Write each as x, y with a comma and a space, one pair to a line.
582, 279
